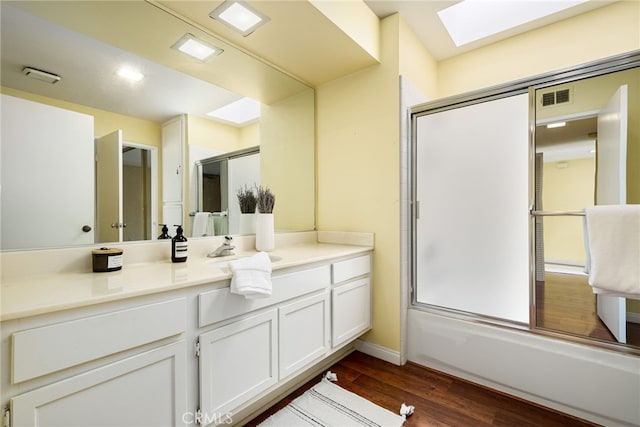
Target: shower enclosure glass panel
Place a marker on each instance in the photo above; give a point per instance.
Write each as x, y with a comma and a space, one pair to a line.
471, 180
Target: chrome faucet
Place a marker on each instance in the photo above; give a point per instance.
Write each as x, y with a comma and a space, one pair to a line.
224, 249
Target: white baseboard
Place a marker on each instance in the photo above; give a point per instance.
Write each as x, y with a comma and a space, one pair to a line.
378, 351
633, 317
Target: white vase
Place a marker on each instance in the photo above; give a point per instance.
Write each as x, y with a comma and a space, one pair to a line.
247, 224
265, 237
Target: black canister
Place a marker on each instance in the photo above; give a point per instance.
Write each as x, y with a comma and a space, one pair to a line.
107, 259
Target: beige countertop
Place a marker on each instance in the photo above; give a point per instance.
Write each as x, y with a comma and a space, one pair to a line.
30, 295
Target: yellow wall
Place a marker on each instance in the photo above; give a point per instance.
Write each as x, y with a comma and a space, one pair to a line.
250, 135
133, 129
358, 162
416, 63
287, 131
217, 136
567, 186
358, 126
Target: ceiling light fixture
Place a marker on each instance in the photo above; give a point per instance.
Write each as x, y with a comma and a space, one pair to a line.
472, 20
43, 76
130, 74
239, 16
239, 112
196, 48
556, 125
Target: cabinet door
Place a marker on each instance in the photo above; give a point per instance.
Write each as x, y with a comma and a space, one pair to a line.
351, 313
173, 136
303, 328
237, 362
148, 389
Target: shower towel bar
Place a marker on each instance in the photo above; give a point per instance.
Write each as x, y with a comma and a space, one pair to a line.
223, 213
557, 213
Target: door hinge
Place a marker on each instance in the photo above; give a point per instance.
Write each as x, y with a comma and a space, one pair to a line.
198, 417
197, 351
6, 418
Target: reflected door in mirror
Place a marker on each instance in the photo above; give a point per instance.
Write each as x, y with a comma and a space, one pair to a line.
47, 156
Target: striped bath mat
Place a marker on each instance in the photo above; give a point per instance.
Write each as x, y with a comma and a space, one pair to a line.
327, 404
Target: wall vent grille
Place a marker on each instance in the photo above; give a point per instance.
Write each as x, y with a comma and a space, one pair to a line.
561, 96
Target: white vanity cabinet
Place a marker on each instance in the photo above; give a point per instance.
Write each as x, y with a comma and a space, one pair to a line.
304, 332
143, 390
73, 387
260, 341
237, 362
350, 299
131, 362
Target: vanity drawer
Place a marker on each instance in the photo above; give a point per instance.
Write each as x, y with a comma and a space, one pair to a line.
350, 268
44, 350
220, 304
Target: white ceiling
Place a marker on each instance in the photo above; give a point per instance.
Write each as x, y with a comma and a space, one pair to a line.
294, 45
83, 61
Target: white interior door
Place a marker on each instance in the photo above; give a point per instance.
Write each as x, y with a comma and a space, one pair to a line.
109, 188
611, 189
48, 198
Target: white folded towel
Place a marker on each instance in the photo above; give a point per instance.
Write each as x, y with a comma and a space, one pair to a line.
252, 276
614, 249
200, 221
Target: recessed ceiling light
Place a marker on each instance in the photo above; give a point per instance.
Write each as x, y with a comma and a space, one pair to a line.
239, 112
196, 48
472, 20
239, 16
556, 125
130, 74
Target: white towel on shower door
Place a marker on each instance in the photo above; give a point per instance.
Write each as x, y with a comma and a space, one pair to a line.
200, 221
614, 248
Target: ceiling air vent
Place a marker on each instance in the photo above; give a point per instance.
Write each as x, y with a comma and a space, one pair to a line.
43, 76
561, 96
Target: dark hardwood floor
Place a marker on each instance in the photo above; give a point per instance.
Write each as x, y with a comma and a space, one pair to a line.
439, 399
565, 302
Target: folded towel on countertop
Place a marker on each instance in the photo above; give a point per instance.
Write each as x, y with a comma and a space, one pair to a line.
251, 276
613, 245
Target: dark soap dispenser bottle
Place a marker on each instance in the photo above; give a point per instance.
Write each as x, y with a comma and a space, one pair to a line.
165, 233
179, 246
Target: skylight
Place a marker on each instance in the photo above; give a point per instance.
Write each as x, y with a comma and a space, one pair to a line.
472, 20
239, 112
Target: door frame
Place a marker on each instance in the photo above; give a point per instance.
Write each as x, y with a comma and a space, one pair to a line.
153, 160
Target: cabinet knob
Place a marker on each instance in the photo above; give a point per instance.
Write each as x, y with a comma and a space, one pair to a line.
86, 228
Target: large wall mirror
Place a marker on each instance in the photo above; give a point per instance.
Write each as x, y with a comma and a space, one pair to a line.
587, 145
84, 43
